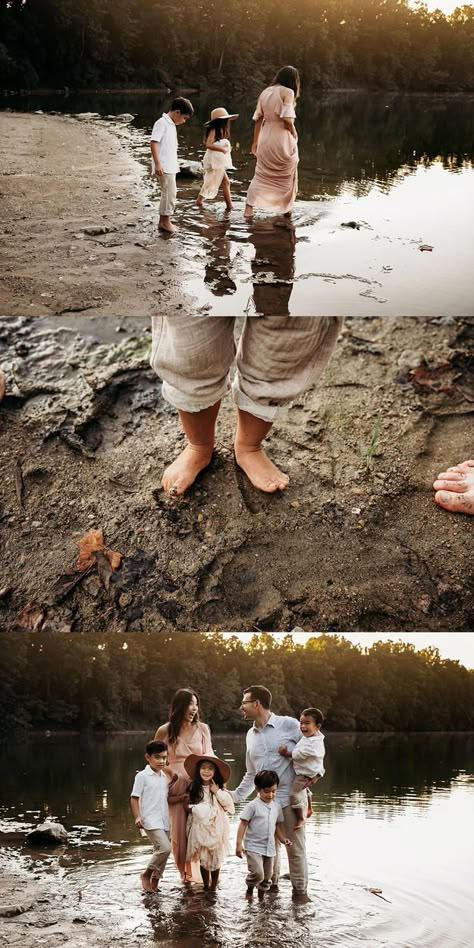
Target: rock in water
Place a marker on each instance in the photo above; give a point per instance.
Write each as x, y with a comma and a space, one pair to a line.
48, 834
125, 117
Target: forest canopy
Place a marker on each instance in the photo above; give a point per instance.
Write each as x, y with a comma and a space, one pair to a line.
376, 44
114, 682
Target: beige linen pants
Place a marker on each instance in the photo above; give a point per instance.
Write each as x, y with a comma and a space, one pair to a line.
298, 787
160, 841
168, 195
260, 870
277, 358
297, 862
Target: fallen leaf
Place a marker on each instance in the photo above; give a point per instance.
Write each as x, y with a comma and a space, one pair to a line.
89, 544
30, 618
67, 582
2, 385
425, 247
104, 568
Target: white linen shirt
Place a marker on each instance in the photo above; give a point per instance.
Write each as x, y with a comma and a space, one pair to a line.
164, 132
262, 754
308, 756
262, 820
152, 790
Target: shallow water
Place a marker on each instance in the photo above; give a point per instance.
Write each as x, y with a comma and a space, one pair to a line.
400, 168
394, 812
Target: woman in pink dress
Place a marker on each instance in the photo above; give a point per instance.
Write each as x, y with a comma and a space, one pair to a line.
275, 145
184, 734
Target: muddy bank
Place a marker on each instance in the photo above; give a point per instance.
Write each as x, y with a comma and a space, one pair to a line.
355, 543
79, 231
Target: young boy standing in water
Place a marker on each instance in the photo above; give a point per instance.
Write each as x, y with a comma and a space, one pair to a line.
149, 803
164, 150
259, 824
278, 358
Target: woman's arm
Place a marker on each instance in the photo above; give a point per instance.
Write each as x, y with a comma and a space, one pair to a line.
162, 733
256, 134
290, 126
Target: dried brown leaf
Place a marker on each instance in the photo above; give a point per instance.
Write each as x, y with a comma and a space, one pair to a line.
30, 618
91, 543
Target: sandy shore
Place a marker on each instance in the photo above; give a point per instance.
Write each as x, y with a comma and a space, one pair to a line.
78, 230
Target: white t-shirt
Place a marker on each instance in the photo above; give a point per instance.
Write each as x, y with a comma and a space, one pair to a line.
262, 819
308, 756
152, 790
164, 132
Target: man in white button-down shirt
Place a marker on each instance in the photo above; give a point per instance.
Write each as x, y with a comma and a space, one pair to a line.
268, 733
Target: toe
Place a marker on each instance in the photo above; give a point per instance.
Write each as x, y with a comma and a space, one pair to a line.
449, 500
458, 486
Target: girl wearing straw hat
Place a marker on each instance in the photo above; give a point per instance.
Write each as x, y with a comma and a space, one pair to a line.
217, 158
208, 803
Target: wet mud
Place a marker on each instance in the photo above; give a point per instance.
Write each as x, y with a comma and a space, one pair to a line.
355, 543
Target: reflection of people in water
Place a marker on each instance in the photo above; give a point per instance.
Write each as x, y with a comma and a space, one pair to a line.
218, 263
273, 268
455, 488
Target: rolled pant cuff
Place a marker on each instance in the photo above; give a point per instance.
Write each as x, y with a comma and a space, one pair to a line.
265, 412
183, 401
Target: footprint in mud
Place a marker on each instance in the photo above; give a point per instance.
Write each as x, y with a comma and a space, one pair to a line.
256, 501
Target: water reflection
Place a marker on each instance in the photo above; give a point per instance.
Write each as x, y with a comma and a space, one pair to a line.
392, 812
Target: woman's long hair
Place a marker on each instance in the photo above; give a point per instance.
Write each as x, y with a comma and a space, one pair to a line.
179, 705
288, 76
196, 792
221, 128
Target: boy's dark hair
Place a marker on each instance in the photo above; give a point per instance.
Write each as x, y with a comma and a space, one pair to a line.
196, 792
265, 779
315, 714
180, 104
156, 747
260, 693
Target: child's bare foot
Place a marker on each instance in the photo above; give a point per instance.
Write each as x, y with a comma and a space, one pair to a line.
249, 892
146, 882
455, 488
199, 202
185, 468
164, 223
261, 894
248, 213
261, 472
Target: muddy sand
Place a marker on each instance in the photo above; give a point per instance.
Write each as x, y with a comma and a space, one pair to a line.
355, 543
79, 231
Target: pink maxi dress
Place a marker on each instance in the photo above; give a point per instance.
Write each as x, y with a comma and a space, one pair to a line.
275, 182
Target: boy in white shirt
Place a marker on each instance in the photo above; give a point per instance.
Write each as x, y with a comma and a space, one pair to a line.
164, 150
307, 758
149, 802
259, 824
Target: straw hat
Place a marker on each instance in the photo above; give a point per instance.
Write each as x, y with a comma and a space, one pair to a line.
221, 114
193, 759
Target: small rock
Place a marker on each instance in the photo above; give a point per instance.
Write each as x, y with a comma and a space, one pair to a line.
48, 833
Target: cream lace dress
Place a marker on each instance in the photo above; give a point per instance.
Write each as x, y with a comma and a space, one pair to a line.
215, 164
208, 829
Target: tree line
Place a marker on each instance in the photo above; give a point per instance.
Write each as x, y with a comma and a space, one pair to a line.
377, 44
114, 682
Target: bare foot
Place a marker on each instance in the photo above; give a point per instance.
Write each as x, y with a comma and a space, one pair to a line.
165, 224
249, 893
199, 202
185, 468
248, 213
455, 488
261, 472
146, 882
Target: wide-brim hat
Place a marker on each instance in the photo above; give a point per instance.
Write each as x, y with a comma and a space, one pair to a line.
193, 759
221, 113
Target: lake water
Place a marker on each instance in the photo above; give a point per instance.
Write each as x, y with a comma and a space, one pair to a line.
399, 167
394, 812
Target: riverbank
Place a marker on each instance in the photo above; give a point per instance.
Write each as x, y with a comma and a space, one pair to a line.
79, 229
355, 543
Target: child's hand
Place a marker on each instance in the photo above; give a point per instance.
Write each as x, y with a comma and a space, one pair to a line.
287, 842
239, 851
139, 823
283, 750
159, 171
213, 787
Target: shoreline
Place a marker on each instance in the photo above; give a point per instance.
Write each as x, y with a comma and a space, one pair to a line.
80, 224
